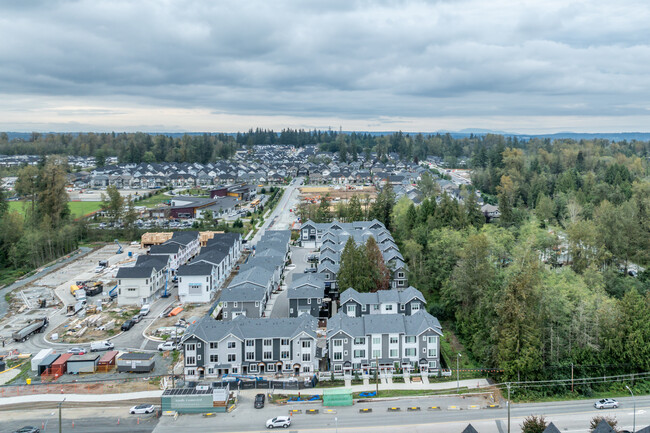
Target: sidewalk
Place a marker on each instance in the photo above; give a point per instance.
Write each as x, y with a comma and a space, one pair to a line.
79, 397
471, 384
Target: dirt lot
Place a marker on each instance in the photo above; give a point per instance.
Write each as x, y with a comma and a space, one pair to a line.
162, 326
337, 194
94, 327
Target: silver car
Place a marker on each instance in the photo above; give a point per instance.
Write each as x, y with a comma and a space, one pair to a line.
606, 403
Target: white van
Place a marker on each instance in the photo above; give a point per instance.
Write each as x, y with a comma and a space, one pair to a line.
98, 346
145, 309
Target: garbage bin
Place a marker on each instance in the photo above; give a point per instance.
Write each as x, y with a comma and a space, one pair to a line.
28, 380
2, 366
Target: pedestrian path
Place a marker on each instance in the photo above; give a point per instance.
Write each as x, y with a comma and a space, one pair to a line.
79, 397
478, 385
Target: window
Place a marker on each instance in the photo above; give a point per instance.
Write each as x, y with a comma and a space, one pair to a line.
364, 308
375, 307
360, 340
234, 304
309, 300
338, 367
352, 308
214, 358
433, 364
250, 343
190, 360
268, 342
284, 354
400, 275
389, 307
252, 368
257, 303
394, 340
393, 353
306, 344
359, 353
376, 341
250, 356
225, 315
190, 372
231, 345
411, 352
268, 355
338, 343
214, 345
198, 357
338, 356
415, 306
376, 353
432, 340
284, 341
190, 346
432, 353
306, 357
232, 357
270, 367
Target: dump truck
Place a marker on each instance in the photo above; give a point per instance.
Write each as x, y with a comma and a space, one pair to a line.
34, 327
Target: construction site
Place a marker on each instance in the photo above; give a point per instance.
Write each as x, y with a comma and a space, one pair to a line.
337, 194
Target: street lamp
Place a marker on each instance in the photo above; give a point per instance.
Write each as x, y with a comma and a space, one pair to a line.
634, 415
60, 425
336, 420
458, 373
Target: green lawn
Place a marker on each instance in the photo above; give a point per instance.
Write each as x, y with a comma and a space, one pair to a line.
153, 200
77, 208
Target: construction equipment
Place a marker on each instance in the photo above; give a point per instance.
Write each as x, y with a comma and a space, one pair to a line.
113, 292
37, 325
119, 247
166, 293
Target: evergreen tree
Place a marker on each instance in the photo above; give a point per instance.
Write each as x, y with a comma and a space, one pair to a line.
354, 211
113, 203
379, 272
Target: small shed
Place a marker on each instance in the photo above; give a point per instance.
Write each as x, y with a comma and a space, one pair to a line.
107, 362
136, 362
36, 360
59, 367
337, 397
195, 400
83, 363
46, 362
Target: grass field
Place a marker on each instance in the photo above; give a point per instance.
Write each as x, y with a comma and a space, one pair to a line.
153, 200
77, 208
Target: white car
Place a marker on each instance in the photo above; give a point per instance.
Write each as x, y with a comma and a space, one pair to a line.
167, 345
606, 403
142, 408
279, 421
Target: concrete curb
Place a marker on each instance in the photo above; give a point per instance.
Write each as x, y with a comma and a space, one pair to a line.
24, 399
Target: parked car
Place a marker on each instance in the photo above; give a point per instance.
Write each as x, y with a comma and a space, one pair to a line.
310, 270
127, 325
98, 346
259, 401
167, 345
145, 309
99, 269
142, 408
28, 429
606, 403
76, 350
279, 421
137, 318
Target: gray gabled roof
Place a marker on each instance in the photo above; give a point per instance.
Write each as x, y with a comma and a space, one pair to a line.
164, 249
135, 272
470, 429
603, 427
157, 261
551, 429
243, 294
195, 269
383, 324
242, 327
382, 296
310, 279
305, 292
213, 256
257, 276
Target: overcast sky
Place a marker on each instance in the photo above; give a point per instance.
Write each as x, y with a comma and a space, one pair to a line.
176, 65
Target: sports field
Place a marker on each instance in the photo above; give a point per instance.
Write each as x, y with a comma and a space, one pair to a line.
77, 208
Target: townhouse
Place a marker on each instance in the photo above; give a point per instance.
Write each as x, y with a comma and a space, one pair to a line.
305, 295
407, 302
250, 346
143, 282
386, 341
197, 283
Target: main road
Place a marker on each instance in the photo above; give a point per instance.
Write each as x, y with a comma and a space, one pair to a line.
283, 215
570, 416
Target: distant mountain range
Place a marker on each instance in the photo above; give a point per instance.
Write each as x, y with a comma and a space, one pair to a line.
613, 136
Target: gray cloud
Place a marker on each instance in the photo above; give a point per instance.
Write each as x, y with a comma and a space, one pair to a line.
346, 59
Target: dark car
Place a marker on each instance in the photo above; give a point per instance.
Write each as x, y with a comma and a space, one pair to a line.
259, 401
28, 429
310, 270
127, 325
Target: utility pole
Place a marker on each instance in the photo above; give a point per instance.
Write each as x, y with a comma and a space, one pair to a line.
458, 373
60, 425
508, 403
376, 376
572, 377
634, 409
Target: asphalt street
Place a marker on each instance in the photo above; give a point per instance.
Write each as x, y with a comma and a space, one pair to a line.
568, 416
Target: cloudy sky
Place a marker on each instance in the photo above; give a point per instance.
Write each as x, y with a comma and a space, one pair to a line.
179, 65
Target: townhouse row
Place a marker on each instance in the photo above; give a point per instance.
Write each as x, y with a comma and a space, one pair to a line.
200, 270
